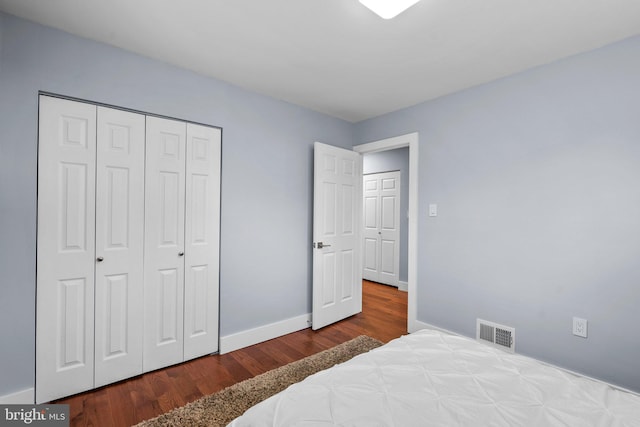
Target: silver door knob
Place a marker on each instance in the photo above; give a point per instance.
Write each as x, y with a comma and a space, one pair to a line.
99, 259
321, 245
180, 253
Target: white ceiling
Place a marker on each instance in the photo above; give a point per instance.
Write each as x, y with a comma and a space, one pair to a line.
336, 56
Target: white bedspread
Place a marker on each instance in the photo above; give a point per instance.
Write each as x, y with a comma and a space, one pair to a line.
434, 379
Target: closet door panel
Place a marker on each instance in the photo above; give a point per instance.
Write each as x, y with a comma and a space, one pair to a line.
119, 245
164, 243
65, 249
389, 228
371, 221
202, 241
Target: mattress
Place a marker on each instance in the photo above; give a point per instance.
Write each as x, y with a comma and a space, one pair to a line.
430, 378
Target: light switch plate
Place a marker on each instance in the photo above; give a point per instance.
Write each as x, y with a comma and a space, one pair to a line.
433, 209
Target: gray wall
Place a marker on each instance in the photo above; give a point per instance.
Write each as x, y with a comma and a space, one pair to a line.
387, 161
537, 181
266, 176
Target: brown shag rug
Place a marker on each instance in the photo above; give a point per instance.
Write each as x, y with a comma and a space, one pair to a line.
222, 407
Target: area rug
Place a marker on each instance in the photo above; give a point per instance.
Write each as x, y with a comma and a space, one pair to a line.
222, 407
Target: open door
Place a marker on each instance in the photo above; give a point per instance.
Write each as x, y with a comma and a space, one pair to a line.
337, 224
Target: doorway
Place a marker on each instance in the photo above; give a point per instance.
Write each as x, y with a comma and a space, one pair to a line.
411, 141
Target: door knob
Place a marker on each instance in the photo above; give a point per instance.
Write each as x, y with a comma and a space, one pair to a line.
99, 259
180, 253
321, 245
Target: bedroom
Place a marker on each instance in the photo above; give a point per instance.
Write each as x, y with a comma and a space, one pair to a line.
529, 234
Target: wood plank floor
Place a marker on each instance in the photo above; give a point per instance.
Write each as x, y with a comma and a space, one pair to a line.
384, 316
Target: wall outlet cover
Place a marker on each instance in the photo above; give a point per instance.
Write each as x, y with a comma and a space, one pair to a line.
580, 327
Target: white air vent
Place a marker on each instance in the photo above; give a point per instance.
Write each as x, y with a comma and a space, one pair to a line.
500, 336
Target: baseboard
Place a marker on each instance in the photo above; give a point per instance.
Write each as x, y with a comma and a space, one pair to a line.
403, 286
418, 325
423, 325
415, 325
24, 397
249, 337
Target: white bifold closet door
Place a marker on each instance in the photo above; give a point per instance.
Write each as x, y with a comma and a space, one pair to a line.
181, 242
381, 217
128, 245
90, 252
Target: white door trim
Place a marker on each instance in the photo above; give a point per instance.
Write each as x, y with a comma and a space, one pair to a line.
409, 140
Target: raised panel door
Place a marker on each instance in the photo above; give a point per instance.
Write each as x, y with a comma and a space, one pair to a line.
337, 221
202, 241
381, 204
119, 245
371, 233
164, 243
65, 248
389, 243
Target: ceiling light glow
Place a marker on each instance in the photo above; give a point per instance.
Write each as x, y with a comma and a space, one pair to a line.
388, 9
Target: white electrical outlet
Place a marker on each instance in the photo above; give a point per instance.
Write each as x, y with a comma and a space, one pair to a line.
580, 327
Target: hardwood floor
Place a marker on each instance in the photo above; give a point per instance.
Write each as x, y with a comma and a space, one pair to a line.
384, 317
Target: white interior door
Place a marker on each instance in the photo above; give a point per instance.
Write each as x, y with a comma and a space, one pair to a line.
65, 249
164, 243
119, 245
202, 241
337, 216
381, 220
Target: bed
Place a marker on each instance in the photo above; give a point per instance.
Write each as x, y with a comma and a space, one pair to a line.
431, 378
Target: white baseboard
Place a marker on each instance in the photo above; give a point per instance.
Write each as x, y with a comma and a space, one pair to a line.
403, 286
418, 325
415, 325
24, 397
249, 337
423, 325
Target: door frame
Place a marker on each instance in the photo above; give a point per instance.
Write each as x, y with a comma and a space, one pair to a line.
410, 140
